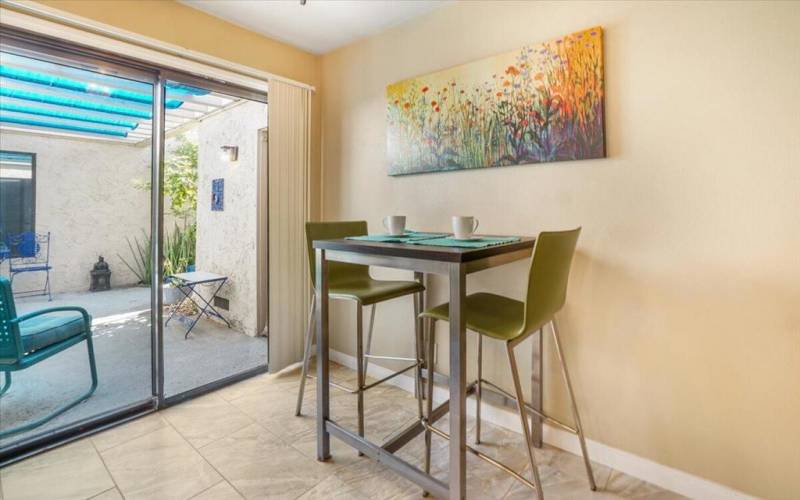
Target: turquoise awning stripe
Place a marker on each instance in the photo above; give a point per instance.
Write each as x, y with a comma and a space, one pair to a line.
62, 126
33, 110
25, 75
74, 103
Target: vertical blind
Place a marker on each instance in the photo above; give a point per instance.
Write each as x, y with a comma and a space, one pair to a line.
289, 158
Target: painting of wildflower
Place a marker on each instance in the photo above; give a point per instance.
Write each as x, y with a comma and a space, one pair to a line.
539, 104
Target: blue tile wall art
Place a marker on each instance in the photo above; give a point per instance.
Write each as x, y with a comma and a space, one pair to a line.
217, 195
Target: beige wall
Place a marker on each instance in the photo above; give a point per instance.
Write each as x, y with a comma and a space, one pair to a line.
683, 320
177, 24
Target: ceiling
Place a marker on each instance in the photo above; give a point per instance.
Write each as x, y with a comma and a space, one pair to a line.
319, 26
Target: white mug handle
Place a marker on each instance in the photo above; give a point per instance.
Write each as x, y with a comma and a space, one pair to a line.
476, 226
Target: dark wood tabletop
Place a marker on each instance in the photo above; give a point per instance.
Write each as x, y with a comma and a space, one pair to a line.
427, 252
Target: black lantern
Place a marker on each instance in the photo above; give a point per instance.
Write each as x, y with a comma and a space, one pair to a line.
101, 276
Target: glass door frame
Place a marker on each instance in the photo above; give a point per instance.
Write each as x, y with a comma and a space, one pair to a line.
22, 42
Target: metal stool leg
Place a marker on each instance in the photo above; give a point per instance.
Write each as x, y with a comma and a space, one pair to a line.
478, 391
306, 355
524, 420
575, 415
368, 351
418, 347
360, 367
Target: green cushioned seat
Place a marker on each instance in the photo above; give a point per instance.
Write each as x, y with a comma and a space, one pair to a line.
370, 291
486, 313
43, 331
352, 281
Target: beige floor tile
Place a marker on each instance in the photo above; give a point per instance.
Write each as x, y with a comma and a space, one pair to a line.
260, 465
206, 419
220, 491
112, 494
160, 464
334, 488
71, 471
130, 430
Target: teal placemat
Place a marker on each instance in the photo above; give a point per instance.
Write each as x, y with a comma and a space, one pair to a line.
479, 242
407, 237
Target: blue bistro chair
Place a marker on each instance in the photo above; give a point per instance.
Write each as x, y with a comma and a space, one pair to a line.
28, 339
29, 252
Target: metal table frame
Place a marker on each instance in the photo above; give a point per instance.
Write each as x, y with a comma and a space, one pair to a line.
181, 282
456, 264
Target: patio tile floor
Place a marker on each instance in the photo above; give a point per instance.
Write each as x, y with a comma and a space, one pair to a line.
161, 456
121, 335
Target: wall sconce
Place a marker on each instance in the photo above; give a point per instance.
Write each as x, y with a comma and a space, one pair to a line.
229, 153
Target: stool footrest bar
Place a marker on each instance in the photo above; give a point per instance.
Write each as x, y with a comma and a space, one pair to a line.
426, 481
486, 458
531, 409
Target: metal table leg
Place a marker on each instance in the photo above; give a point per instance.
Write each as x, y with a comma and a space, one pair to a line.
458, 384
323, 376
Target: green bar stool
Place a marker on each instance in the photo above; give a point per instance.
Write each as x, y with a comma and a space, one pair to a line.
353, 282
513, 321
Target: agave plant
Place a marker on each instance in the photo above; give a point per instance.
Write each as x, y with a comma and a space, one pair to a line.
140, 263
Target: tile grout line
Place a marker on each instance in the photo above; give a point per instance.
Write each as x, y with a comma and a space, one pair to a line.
108, 471
196, 450
223, 480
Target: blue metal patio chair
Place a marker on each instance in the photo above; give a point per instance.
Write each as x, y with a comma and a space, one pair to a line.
28, 339
29, 252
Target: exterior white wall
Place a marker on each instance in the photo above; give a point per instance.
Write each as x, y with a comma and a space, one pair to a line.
226, 240
85, 197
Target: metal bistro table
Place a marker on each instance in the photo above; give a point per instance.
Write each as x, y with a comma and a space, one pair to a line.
186, 284
455, 263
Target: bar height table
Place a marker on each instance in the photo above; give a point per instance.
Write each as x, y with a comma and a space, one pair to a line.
455, 263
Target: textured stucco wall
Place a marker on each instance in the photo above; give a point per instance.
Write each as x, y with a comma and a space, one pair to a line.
226, 240
85, 197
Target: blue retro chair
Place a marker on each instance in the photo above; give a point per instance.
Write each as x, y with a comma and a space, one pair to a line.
28, 339
29, 252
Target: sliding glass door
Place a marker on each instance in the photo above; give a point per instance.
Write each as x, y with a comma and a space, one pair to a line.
129, 193
75, 234
211, 327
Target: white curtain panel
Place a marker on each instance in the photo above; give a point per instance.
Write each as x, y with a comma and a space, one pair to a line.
289, 158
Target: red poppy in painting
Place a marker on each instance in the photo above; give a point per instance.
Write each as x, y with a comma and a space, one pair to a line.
512, 70
425, 89
407, 105
436, 109
433, 103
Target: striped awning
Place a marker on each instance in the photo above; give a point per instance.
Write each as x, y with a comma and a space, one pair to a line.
44, 97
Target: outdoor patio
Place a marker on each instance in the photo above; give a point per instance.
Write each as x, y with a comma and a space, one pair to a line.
122, 343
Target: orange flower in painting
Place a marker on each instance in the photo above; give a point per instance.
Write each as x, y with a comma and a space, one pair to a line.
512, 70
538, 76
425, 89
407, 105
499, 94
397, 101
506, 83
436, 109
433, 103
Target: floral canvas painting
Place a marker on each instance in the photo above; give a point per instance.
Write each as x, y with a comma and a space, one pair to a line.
541, 103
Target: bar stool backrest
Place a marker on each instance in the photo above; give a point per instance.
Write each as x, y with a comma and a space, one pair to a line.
338, 272
9, 332
548, 276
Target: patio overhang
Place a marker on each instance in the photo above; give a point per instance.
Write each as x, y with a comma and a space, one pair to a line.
42, 97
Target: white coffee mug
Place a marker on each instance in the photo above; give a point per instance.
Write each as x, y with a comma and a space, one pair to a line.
395, 224
464, 226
